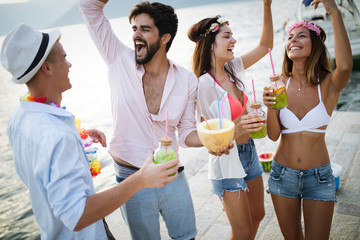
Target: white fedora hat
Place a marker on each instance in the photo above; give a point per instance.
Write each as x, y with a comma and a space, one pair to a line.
24, 50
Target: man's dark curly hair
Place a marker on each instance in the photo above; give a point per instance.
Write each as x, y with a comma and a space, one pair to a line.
164, 16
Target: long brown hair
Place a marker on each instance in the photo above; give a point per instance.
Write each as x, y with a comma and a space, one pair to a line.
318, 64
201, 61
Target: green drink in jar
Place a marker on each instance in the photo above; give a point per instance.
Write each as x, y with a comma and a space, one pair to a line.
256, 110
279, 92
164, 152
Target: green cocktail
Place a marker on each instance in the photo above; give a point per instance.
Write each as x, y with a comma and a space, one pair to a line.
256, 111
281, 100
164, 152
259, 134
163, 156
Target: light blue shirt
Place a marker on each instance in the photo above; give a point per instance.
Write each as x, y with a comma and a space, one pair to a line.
50, 160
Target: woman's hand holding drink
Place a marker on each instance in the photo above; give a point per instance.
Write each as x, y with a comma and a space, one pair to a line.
250, 123
278, 93
280, 97
268, 99
256, 111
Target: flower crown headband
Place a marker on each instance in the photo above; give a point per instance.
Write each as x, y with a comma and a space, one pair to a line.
306, 24
215, 26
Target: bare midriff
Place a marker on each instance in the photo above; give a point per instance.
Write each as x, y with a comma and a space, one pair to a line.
302, 150
123, 162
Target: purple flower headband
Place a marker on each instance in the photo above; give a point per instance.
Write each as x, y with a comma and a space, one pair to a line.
306, 24
215, 26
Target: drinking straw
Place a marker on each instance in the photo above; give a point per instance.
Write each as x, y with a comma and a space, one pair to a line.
272, 65
219, 109
166, 128
167, 122
222, 108
202, 114
252, 82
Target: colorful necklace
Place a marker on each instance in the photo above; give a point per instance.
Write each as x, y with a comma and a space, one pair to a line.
30, 98
87, 141
90, 150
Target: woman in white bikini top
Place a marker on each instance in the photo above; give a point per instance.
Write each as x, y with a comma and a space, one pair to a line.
312, 95
313, 120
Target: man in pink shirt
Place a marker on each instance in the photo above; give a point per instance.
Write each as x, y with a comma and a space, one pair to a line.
145, 85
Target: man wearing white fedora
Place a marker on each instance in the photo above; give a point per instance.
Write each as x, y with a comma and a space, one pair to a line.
48, 152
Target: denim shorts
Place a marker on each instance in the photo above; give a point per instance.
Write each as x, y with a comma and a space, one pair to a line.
173, 202
252, 167
312, 184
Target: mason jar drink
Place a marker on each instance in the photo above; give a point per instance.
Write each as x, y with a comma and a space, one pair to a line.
164, 152
256, 110
279, 91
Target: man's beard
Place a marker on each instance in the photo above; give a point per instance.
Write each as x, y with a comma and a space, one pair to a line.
151, 50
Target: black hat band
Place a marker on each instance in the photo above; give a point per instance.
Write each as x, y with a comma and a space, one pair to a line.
39, 55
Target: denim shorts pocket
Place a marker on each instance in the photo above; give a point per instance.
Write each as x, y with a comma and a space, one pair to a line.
325, 176
276, 173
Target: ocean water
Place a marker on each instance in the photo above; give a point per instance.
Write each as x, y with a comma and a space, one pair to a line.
89, 98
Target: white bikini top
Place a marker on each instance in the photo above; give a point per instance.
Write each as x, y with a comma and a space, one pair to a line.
314, 119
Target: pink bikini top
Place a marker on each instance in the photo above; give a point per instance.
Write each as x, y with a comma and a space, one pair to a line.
236, 108
314, 119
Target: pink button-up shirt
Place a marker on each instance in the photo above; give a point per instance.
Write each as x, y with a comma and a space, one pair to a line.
136, 131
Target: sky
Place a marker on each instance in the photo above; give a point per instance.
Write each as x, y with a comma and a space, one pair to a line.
42, 14
12, 1
37, 13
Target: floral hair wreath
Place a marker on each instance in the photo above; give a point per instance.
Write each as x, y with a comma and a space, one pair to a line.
306, 24
215, 26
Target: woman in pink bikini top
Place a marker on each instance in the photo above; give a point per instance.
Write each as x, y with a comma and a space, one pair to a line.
236, 178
